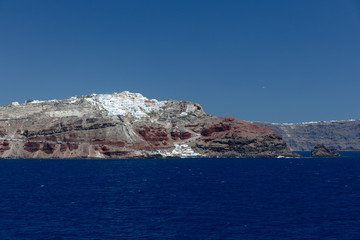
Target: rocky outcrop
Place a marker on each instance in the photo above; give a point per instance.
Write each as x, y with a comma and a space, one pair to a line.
321, 151
128, 125
4, 146
341, 135
230, 137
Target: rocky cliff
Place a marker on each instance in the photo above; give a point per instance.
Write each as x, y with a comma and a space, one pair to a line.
128, 125
321, 151
341, 135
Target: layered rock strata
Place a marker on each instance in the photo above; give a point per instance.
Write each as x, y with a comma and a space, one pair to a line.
341, 135
128, 125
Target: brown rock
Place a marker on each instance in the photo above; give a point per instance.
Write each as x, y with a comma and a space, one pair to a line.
153, 135
4, 146
232, 137
32, 146
48, 148
180, 135
72, 146
63, 147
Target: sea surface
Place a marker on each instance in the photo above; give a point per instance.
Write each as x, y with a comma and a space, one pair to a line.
288, 198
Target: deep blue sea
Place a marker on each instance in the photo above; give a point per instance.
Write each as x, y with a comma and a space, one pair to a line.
305, 198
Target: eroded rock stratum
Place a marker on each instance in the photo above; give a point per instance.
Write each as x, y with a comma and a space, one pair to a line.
128, 125
341, 135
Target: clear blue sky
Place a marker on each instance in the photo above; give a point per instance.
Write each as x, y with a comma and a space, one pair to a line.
278, 61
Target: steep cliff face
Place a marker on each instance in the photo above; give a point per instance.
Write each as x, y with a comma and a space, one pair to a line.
341, 135
128, 125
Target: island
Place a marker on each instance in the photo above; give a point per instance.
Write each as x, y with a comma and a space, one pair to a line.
321, 151
128, 125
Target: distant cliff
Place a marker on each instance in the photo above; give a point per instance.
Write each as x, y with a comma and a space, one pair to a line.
341, 135
128, 125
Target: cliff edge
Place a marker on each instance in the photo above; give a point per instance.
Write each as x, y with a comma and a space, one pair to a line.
128, 125
341, 135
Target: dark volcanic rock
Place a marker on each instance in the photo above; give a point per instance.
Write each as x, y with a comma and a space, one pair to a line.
321, 151
4, 146
32, 146
48, 148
